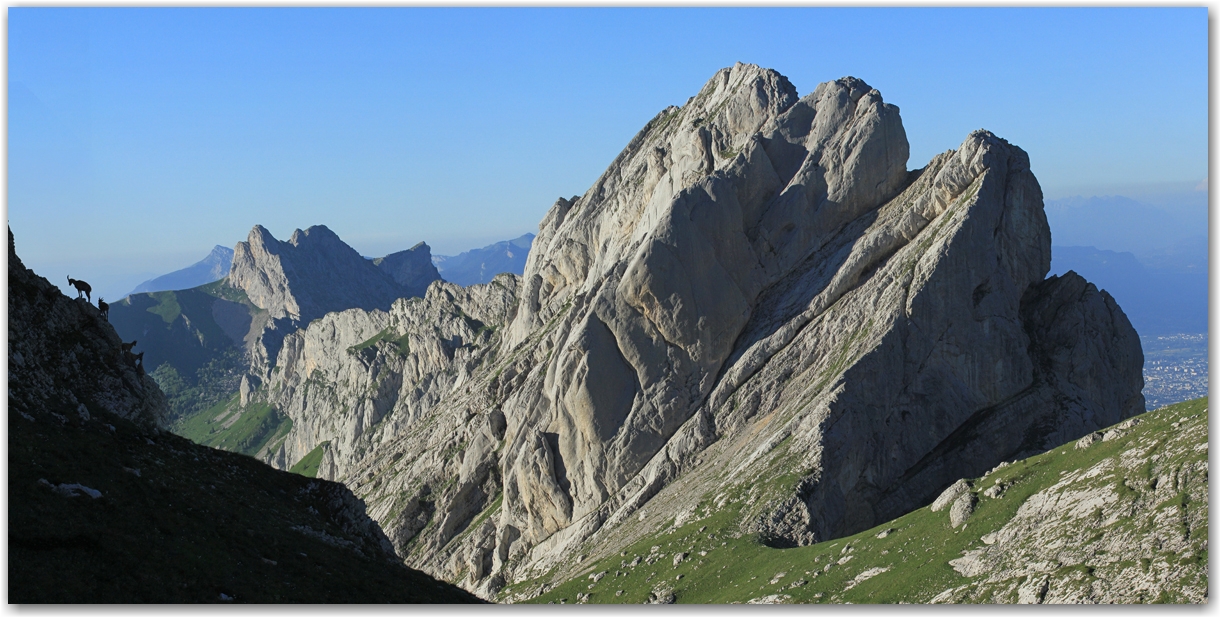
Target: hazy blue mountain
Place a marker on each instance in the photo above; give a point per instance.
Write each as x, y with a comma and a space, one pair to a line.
1116, 223
211, 268
1164, 297
481, 265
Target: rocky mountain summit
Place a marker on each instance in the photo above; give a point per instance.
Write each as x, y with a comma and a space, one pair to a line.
412, 269
105, 506
201, 342
310, 275
756, 302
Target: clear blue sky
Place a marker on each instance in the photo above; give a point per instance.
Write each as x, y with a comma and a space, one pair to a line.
139, 138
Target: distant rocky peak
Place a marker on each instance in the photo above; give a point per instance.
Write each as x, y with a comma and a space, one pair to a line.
412, 268
311, 274
319, 236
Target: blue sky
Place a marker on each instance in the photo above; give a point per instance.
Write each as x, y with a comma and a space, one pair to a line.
139, 138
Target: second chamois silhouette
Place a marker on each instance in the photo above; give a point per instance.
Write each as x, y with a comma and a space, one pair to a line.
81, 288
103, 308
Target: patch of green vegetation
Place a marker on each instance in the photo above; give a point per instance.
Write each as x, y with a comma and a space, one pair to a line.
166, 306
217, 380
354, 349
400, 344
222, 290
308, 465
228, 426
909, 564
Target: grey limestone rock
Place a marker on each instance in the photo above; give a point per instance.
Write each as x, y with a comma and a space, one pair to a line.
962, 508
950, 495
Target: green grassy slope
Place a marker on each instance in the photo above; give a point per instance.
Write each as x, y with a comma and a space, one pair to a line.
229, 426
308, 466
908, 559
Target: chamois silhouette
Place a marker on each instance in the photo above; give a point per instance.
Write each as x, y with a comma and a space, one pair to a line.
127, 346
139, 363
81, 288
103, 308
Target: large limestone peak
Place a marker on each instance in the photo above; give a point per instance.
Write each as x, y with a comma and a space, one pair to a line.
311, 274
658, 267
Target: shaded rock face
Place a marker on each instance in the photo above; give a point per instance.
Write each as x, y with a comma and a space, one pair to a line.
63, 357
755, 295
311, 274
412, 269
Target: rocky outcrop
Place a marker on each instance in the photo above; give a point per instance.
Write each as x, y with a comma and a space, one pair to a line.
311, 274
758, 297
412, 269
1129, 527
65, 360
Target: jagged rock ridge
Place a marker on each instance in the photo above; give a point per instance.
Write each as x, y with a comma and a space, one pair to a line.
311, 274
756, 293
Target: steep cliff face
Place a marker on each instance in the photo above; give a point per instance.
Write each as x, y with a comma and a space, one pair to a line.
755, 298
311, 274
663, 262
357, 380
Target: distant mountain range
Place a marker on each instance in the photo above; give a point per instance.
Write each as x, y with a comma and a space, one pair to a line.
481, 265
1152, 259
211, 268
1162, 297
409, 268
